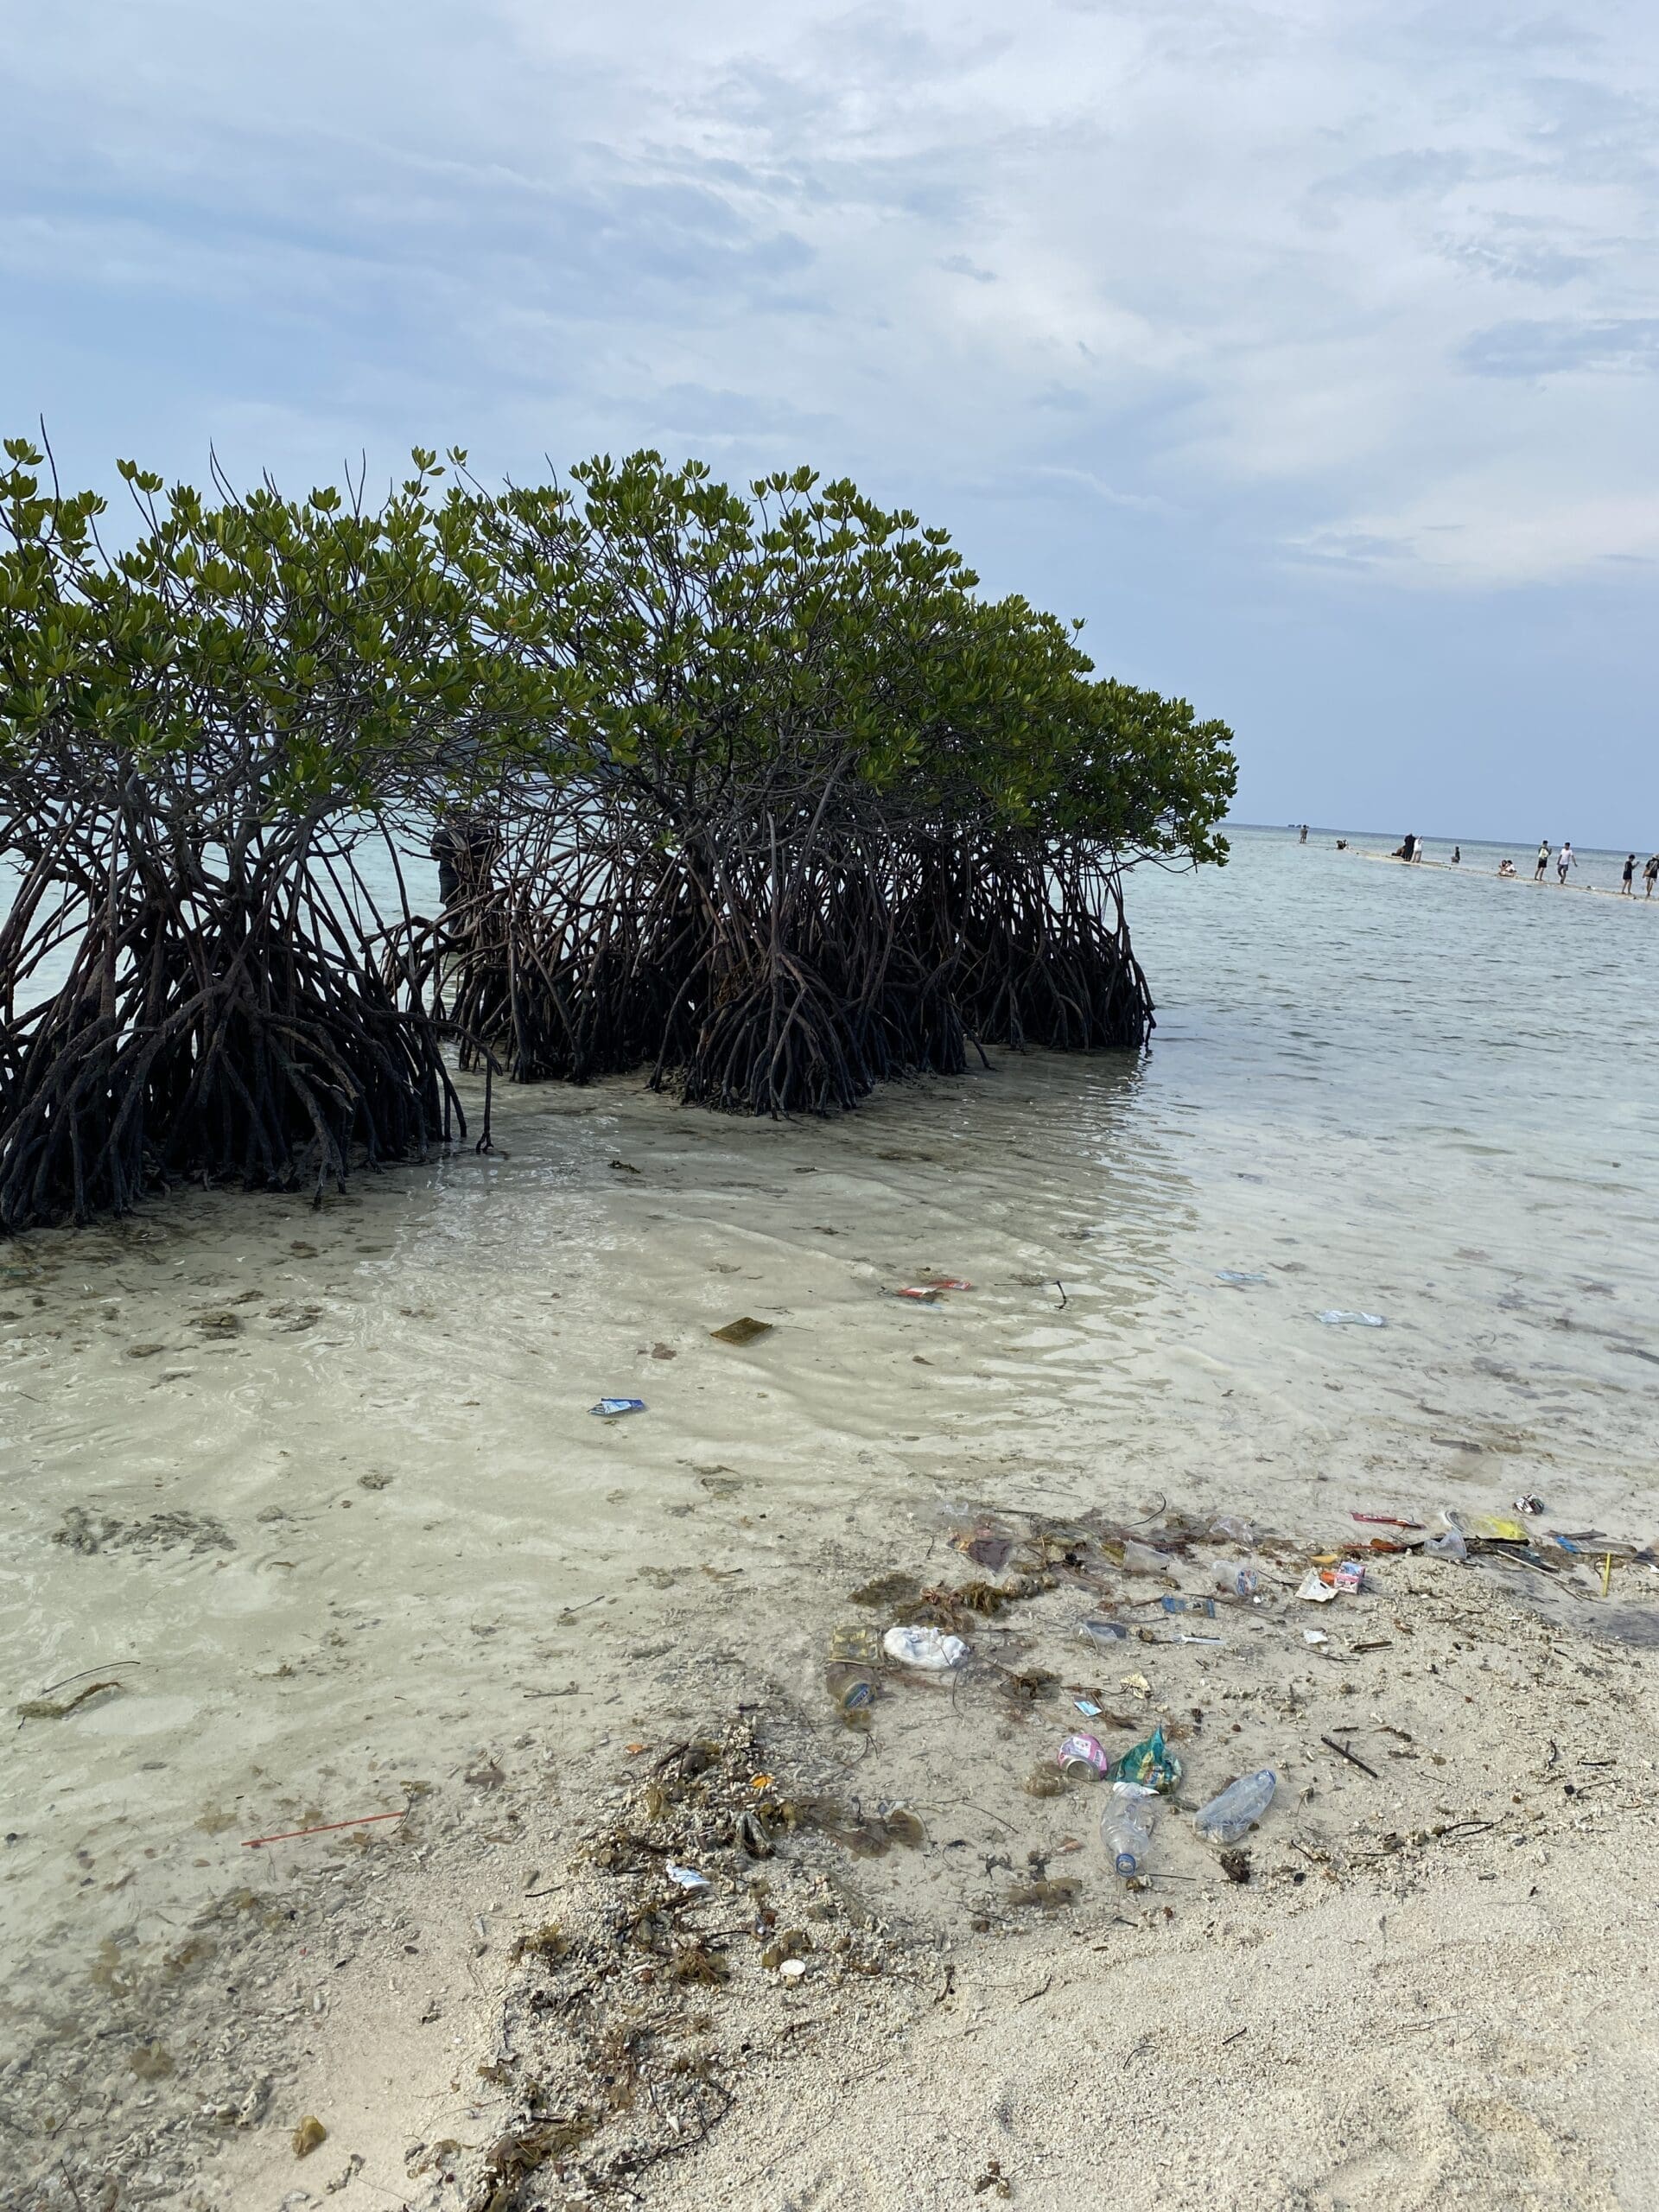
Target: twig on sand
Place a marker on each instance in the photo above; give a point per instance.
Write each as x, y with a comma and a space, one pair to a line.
1352, 1757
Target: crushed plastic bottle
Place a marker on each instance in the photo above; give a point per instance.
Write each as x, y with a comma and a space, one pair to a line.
1126, 1826
1204, 1605
612, 1409
1335, 1317
1239, 1806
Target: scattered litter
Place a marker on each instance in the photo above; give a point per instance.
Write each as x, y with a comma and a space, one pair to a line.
1335, 1317
988, 1547
1138, 1683
948, 1282
1237, 1275
928, 1648
1083, 1754
1529, 1504
46, 1708
1486, 1528
1204, 1605
1314, 1636
1087, 1706
308, 2136
610, 1409
1237, 1579
686, 1877
1141, 1559
1384, 1521
1350, 1577
1240, 1805
1126, 1826
288, 1835
1150, 1763
1449, 1545
1194, 1639
924, 1294
743, 1330
792, 1969
1105, 1632
1236, 1531
1314, 1590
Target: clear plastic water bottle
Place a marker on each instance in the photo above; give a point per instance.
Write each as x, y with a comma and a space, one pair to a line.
1126, 1826
1238, 1809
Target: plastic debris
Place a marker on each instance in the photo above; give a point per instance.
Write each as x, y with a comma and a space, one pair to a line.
948, 1282
1236, 1530
927, 1648
1126, 1826
1335, 1317
1105, 1632
986, 1545
743, 1330
1314, 1636
1239, 1806
1236, 1578
924, 1294
611, 1408
1237, 1275
1141, 1559
792, 1969
854, 1656
1138, 1683
1449, 1545
1087, 1706
1083, 1754
1487, 1527
1350, 1577
1149, 1763
1529, 1504
1204, 1605
1384, 1521
687, 1877
1315, 1589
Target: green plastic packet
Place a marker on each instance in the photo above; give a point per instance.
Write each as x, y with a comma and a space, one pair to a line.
1150, 1763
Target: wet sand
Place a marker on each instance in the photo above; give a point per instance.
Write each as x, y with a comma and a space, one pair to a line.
322, 1492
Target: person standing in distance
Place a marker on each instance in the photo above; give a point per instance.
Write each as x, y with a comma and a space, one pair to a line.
1564, 859
1650, 874
1625, 890
1543, 861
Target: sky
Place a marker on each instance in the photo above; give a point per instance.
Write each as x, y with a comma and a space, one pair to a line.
1307, 350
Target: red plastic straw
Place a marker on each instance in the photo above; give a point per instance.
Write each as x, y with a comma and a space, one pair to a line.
253, 1842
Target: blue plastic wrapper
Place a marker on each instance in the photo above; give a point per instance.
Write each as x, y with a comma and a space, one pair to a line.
1150, 1763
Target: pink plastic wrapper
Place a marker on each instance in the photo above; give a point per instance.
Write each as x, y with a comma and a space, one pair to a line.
1351, 1576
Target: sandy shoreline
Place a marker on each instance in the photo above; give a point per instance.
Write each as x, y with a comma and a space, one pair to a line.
325, 1486
1436, 1987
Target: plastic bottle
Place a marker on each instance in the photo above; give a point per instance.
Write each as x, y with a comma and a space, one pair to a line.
1236, 1578
1238, 1809
1126, 1826
855, 1662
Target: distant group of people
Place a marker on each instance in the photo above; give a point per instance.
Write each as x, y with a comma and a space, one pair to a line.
1562, 858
